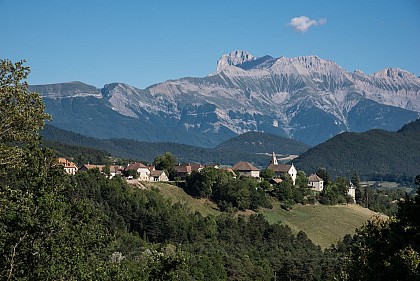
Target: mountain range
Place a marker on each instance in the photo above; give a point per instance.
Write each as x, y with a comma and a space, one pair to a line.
306, 98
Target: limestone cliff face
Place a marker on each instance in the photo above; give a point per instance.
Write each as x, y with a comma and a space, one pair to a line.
306, 98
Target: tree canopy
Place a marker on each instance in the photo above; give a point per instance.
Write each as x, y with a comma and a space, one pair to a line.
21, 113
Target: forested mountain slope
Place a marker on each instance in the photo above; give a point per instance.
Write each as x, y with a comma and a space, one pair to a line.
147, 151
370, 154
256, 142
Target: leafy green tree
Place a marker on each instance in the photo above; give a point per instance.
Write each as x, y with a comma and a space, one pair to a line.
44, 234
21, 113
324, 175
166, 162
201, 183
388, 250
301, 179
267, 174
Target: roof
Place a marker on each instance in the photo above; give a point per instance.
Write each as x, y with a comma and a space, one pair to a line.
136, 166
196, 167
90, 166
66, 163
283, 168
314, 178
183, 169
115, 169
244, 166
276, 180
157, 173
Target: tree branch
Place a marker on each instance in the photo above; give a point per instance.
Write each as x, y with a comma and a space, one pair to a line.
14, 254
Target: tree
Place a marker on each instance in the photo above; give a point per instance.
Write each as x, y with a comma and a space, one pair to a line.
166, 162
301, 179
355, 179
388, 250
323, 174
267, 174
44, 235
21, 113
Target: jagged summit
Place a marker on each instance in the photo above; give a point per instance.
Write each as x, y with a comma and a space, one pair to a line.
393, 73
234, 58
306, 98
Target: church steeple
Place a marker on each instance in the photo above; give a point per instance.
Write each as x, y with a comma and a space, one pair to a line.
274, 159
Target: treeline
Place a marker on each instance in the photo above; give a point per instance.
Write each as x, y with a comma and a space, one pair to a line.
79, 154
230, 193
147, 151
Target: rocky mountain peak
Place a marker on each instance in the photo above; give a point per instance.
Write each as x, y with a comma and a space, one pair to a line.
234, 58
394, 73
307, 98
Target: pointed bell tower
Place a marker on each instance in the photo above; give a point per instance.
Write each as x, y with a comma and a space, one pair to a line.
274, 159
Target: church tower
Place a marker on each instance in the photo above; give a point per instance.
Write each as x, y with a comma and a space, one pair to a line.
273, 159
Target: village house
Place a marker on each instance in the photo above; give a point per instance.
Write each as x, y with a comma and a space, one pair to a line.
69, 167
158, 175
142, 170
315, 183
116, 171
246, 169
185, 170
280, 169
87, 167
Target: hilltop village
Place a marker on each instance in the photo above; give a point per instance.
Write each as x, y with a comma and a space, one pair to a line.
275, 173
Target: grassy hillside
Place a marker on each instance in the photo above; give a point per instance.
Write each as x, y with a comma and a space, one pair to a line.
324, 225
371, 154
176, 194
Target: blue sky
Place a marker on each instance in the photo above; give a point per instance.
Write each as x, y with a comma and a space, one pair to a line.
145, 42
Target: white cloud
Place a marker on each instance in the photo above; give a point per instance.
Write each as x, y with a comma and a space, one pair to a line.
303, 23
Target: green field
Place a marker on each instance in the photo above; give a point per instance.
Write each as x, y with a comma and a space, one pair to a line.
324, 225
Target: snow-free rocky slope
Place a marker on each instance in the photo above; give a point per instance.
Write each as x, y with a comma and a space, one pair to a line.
306, 98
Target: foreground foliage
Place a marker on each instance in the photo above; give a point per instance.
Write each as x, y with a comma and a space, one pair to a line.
88, 227
384, 250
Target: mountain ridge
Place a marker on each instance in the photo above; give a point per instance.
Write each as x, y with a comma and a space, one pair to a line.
147, 151
307, 98
395, 154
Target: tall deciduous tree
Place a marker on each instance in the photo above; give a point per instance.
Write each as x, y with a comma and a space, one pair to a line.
21, 113
166, 162
44, 235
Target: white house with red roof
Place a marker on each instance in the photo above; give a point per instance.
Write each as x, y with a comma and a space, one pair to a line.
141, 169
69, 167
315, 183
